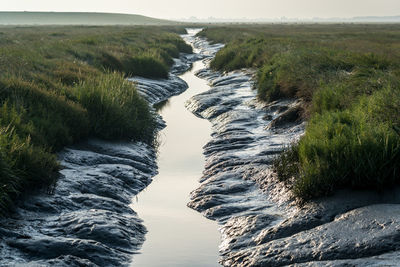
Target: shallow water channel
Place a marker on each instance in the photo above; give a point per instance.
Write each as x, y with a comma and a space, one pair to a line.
178, 235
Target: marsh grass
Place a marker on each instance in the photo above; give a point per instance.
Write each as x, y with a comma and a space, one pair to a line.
22, 165
115, 108
59, 85
348, 77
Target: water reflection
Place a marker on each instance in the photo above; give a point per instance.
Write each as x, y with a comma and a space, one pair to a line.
178, 236
163, 104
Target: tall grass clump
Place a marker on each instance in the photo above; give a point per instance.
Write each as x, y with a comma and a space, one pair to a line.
22, 166
341, 150
348, 77
145, 66
115, 108
48, 118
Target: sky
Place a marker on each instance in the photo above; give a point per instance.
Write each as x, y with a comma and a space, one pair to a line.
252, 9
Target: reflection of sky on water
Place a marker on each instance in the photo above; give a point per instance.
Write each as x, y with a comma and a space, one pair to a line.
162, 105
178, 236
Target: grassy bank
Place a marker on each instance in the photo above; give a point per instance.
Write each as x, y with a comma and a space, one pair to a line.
59, 85
348, 77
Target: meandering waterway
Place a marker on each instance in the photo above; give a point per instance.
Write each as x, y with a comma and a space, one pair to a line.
178, 235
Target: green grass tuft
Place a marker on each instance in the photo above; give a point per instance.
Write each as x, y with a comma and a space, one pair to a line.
115, 108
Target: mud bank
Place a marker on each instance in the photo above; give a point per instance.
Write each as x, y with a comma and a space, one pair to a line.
261, 225
86, 220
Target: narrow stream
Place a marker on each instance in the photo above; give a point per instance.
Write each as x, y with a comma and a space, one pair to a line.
177, 235
87, 221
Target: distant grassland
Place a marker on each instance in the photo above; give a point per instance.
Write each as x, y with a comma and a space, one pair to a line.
59, 85
348, 77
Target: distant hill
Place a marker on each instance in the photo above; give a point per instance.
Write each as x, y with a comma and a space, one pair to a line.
77, 18
368, 19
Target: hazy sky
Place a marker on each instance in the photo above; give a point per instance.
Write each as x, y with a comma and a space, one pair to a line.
215, 8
